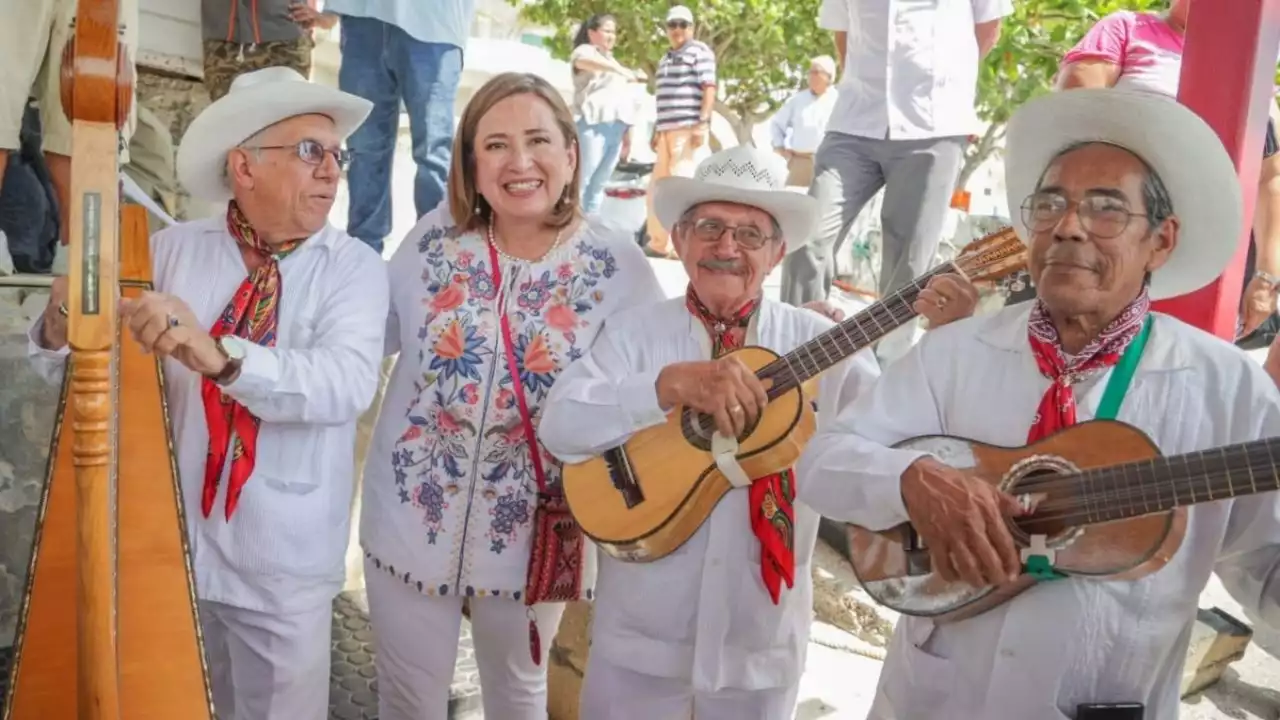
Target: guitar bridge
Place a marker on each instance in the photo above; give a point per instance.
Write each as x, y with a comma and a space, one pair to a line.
918, 562
623, 477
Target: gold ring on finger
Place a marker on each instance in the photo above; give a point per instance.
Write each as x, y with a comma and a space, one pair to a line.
62, 310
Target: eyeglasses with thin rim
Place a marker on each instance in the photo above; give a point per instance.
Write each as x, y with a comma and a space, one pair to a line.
1103, 216
311, 152
748, 237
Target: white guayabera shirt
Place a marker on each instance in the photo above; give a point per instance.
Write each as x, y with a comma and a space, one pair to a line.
1068, 641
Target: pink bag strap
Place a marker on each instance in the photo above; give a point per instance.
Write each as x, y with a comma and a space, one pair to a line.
513, 367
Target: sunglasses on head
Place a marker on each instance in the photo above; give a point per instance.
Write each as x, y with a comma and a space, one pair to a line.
677, 24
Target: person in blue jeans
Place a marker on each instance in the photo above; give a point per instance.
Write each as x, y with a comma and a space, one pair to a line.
604, 104
394, 51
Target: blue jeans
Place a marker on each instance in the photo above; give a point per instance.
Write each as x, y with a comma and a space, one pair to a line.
598, 146
385, 65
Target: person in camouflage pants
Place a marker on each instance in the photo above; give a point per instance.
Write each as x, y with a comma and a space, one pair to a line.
224, 61
241, 36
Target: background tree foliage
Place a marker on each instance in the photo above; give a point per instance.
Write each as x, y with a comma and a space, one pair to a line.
1024, 62
762, 47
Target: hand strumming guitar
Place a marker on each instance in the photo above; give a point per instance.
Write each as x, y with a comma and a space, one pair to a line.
962, 522
724, 388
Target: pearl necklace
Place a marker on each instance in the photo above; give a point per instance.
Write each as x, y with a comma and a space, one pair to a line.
512, 259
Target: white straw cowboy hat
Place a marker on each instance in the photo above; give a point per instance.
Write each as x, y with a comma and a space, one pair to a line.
256, 101
1179, 146
743, 175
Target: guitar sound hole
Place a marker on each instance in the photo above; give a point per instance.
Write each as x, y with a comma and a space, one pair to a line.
1049, 493
698, 428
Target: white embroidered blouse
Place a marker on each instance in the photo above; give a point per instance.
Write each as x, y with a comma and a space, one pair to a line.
449, 486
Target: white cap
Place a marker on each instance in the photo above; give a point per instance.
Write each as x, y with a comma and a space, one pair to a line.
826, 64
680, 12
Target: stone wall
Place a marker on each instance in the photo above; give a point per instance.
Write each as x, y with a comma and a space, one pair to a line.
27, 409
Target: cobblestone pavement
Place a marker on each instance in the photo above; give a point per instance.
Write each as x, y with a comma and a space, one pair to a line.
353, 691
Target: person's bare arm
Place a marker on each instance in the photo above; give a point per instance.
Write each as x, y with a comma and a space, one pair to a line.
708, 102
601, 62
1266, 217
988, 34
841, 39
1088, 74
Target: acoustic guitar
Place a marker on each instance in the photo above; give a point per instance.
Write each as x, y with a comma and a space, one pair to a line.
108, 627
1105, 506
641, 501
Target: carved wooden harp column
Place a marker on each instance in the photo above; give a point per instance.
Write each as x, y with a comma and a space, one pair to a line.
108, 629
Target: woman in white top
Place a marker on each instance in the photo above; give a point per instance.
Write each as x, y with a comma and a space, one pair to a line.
603, 103
450, 486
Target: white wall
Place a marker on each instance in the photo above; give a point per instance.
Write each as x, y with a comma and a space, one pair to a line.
169, 35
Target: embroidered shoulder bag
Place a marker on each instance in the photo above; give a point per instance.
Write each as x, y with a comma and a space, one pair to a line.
558, 544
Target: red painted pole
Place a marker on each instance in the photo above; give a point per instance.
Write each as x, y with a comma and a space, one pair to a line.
1228, 74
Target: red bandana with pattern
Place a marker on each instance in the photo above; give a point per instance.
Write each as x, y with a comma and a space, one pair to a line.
252, 314
770, 497
1057, 408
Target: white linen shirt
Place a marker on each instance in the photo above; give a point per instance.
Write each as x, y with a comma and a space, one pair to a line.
806, 116
701, 614
1074, 640
283, 550
911, 66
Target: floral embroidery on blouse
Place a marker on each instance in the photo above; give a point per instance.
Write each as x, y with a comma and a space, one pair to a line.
464, 446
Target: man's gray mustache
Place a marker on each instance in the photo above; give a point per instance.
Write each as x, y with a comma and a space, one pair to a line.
723, 265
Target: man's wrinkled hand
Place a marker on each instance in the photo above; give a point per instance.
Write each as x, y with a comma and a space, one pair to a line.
945, 299
825, 309
724, 388
963, 522
165, 325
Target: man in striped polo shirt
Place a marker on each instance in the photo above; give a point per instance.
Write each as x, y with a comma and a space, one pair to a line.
686, 84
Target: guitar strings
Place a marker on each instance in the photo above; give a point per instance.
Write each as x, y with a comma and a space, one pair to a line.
1219, 483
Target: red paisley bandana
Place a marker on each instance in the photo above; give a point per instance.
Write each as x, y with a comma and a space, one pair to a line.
1057, 408
770, 497
252, 314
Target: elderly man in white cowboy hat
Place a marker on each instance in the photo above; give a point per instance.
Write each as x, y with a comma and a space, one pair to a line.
719, 628
270, 323
1125, 197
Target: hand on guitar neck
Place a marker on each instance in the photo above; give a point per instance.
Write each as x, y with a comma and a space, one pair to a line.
724, 388
945, 299
963, 522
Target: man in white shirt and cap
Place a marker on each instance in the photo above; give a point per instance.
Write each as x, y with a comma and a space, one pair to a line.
270, 323
798, 126
717, 629
1125, 197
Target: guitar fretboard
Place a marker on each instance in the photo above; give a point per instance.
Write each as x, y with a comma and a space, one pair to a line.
854, 334
1165, 483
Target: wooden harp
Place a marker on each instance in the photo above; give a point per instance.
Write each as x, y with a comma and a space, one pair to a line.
108, 627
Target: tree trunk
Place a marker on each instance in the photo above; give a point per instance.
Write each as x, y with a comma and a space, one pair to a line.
979, 152
742, 123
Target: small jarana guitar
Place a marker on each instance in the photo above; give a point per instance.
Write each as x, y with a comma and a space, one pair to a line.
641, 501
1105, 506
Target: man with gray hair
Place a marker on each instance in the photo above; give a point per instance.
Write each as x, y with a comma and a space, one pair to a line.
270, 324
799, 125
718, 629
